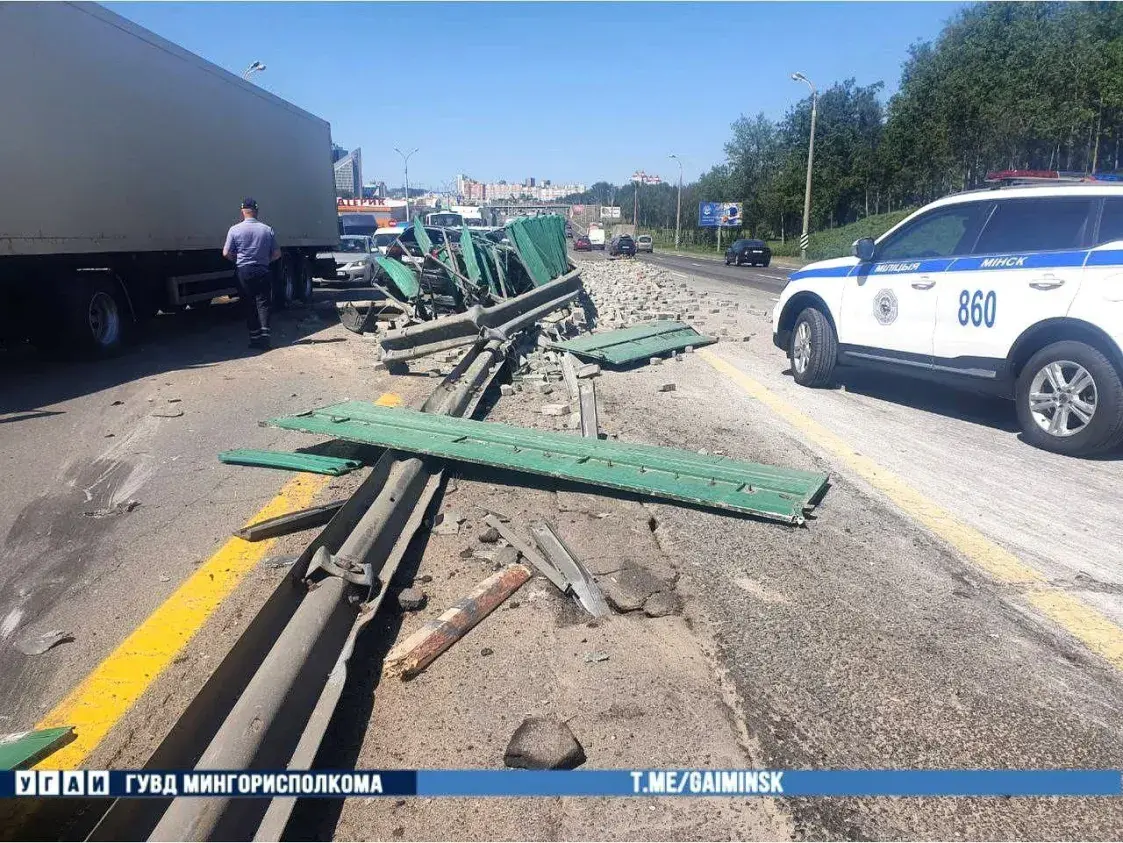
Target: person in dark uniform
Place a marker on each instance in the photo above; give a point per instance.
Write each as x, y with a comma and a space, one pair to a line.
252, 246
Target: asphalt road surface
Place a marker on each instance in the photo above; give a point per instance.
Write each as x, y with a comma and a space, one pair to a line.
956, 601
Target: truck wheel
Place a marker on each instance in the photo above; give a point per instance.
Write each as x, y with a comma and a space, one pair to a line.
96, 318
284, 283
813, 349
304, 281
1070, 400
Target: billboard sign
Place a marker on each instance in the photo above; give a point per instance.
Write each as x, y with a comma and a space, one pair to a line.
576, 211
609, 213
719, 214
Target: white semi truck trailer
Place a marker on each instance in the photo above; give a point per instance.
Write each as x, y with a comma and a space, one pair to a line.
123, 161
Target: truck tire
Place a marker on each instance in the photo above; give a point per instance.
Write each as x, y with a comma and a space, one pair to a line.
284, 283
304, 288
96, 316
1070, 400
813, 349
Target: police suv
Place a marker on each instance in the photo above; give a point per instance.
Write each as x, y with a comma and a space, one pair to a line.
1016, 290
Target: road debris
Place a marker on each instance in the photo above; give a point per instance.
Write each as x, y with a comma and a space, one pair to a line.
771, 492
489, 536
290, 522
312, 463
666, 387
413, 655
593, 658
528, 552
117, 509
412, 599
544, 743
22, 750
627, 345
167, 414
39, 644
577, 578
587, 408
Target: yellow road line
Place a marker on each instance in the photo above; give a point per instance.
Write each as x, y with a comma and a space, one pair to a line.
114, 686
1084, 622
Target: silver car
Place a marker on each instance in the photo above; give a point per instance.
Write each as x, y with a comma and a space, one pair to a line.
354, 259
644, 243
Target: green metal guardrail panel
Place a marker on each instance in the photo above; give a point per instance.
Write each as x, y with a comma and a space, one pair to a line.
635, 343
25, 749
771, 492
404, 280
312, 463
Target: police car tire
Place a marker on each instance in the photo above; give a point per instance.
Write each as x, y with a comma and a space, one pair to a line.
1105, 431
824, 349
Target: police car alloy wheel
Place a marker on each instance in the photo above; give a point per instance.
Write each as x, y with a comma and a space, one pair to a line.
813, 349
1070, 400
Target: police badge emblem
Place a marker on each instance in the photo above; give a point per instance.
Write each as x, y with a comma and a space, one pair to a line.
885, 307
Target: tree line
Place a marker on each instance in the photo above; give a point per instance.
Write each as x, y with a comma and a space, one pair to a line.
1003, 86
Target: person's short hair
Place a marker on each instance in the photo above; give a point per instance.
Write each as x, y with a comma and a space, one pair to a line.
249, 204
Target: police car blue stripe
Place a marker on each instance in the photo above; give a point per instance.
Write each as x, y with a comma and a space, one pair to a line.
829, 272
1034, 260
983, 263
1105, 257
897, 267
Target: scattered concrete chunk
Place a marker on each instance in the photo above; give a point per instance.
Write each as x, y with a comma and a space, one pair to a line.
412, 599
660, 604
489, 536
628, 590
506, 389
667, 387
655, 361
543, 743
588, 370
555, 410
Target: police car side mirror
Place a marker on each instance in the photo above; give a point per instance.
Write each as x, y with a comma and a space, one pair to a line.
864, 249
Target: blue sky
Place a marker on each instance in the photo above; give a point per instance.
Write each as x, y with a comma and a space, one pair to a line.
561, 91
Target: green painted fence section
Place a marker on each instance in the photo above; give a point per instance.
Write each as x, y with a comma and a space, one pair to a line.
540, 242
21, 750
638, 342
711, 481
312, 463
405, 282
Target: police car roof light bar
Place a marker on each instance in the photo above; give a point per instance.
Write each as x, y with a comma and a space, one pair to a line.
1014, 177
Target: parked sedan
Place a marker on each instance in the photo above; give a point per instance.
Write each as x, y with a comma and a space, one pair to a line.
644, 243
582, 244
354, 259
752, 252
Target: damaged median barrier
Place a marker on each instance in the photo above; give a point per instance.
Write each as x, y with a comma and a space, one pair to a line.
454, 286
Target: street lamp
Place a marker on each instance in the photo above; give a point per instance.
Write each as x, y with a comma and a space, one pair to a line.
256, 67
405, 162
804, 240
678, 209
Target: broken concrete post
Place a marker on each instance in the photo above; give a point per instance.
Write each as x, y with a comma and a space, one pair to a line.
413, 655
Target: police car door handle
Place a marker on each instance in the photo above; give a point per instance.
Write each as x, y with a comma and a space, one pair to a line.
924, 283
1047, 282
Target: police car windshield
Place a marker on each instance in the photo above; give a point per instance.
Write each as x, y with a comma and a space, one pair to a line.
384, 239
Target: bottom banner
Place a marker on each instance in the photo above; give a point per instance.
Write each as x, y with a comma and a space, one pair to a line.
335, 784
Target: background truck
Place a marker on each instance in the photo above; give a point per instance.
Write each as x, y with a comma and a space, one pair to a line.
123, 160
596, 236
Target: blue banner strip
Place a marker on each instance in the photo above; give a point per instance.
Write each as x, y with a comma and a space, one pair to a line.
333, 784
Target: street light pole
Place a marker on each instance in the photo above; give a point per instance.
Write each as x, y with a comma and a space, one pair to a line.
405, 164
804, 240
678, 208
256, 67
